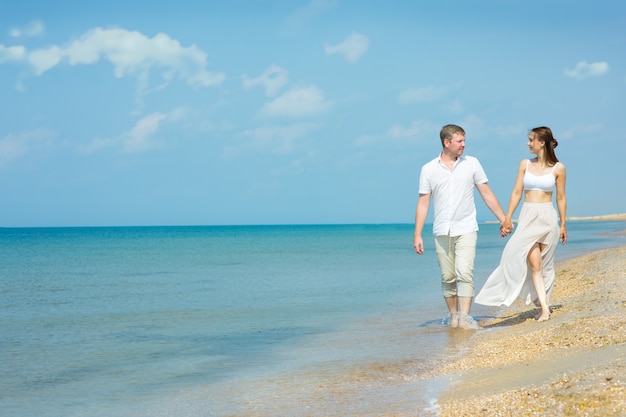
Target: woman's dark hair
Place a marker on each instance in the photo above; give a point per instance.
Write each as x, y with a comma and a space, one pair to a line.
544, 134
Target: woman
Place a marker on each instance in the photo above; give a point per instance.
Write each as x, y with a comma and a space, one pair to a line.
526, 270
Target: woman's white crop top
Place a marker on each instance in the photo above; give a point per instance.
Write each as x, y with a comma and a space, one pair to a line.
543, 183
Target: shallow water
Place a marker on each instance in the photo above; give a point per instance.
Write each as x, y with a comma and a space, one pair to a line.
216, 321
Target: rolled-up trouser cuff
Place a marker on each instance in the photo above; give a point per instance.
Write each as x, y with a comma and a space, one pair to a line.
456, 260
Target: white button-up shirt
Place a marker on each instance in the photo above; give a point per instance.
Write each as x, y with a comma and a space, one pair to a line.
452, 194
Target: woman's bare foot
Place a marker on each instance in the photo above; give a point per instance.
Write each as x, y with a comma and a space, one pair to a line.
543, 316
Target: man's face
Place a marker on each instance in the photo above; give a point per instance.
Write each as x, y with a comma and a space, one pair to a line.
456, 145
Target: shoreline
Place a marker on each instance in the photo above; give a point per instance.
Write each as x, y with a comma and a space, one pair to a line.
605, 217
573, 364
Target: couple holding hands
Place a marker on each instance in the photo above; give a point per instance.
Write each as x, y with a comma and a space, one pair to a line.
526, 269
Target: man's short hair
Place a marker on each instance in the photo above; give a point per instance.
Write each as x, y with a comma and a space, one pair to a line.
448, 131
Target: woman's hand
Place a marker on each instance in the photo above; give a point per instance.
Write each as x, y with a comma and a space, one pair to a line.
506, 227
563, 235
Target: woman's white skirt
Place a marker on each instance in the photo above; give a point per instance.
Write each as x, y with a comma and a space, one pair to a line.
512, 279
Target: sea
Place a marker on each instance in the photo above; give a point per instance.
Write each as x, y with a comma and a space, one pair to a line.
186, 321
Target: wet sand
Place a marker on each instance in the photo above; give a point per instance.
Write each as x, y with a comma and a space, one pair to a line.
572, 365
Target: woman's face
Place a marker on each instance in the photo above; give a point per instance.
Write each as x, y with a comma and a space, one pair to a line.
534, 144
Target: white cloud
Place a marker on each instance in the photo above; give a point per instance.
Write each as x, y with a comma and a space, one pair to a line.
414, 95
584, 69
34, 28
426, 94
365, 141
416, 128
15, 146
12, 147
133, 53
453, 106
473, 126
44, 59
138, 138
130, 52
303, 15
271, 139
12, 53
279, 139
294, 166
302, 101
511, 131
352, 48
96, 145
580, 133
273, 79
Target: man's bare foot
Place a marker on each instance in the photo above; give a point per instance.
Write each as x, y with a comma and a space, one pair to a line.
467, 322
454, 320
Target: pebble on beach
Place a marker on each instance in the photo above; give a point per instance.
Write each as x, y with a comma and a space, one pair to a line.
572, 365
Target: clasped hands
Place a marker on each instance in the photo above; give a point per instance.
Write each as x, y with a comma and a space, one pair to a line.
506, 227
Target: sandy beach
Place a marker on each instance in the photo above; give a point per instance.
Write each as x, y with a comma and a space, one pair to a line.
572, 365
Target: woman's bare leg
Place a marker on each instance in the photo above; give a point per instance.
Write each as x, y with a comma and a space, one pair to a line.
534, 259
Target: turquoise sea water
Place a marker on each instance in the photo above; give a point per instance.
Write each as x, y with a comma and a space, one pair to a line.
230, 321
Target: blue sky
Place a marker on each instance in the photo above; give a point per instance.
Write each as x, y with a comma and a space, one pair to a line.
292, 112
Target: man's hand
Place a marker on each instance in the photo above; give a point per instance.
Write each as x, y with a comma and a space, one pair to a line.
418, 244
506, 227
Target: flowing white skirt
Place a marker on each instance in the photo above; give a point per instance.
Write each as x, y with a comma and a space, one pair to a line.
512, 279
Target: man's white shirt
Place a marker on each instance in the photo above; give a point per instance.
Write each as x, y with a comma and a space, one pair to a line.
452, 194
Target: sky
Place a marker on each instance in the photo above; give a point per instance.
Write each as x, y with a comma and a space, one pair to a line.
133, 113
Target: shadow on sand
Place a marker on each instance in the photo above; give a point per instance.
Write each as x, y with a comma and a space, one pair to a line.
517, 318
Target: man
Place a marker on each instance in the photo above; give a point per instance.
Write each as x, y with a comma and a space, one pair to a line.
450, 180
